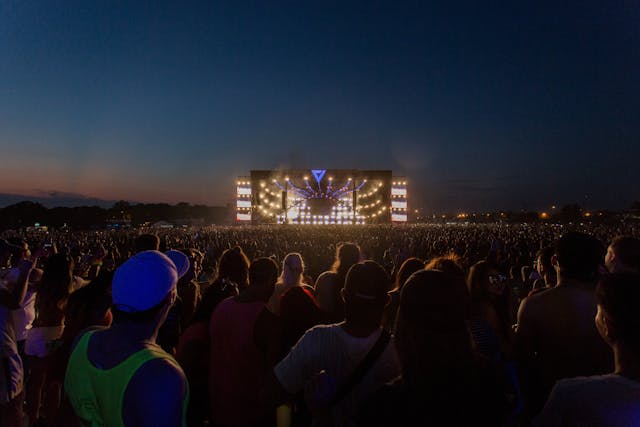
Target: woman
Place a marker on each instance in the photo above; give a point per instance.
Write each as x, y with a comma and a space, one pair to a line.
489, 324
330, 283
46, 333
291, 276
444, 380
407, 268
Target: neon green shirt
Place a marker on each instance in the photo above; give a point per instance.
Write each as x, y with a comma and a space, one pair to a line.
97, 394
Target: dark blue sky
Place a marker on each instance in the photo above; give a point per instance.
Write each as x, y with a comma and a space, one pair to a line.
514, 104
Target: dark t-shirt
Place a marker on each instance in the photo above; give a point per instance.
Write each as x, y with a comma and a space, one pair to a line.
476, 395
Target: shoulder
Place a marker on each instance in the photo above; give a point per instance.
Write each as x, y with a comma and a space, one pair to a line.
534, 302
577, 384
161, 371
156, 393
82, 333
325, 278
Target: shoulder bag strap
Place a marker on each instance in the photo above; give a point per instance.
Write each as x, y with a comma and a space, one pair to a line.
362, 368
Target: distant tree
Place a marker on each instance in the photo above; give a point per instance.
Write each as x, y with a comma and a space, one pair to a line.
571, 212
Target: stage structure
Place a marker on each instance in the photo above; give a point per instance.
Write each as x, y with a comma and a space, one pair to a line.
321, 196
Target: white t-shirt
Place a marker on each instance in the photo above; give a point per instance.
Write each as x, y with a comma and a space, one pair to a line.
602, 400
330, 348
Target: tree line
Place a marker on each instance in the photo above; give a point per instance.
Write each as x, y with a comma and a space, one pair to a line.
122, 213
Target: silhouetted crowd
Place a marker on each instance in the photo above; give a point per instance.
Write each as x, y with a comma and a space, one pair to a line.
454, 325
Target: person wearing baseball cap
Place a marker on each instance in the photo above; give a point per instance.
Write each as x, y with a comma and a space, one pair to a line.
119, 376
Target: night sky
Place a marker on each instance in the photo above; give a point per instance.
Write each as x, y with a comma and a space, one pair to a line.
481, 105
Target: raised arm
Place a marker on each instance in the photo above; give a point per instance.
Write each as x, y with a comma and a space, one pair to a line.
13, 298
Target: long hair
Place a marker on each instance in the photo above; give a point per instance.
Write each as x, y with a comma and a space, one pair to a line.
292, 269
347, 254
478, 281
234, 266
432, 334
55, 285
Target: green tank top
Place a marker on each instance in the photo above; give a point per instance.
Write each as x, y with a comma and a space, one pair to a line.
97, 394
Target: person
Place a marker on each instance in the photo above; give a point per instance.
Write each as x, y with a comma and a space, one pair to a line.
171, 329
408, 267
491, 331
556, 337
11, 368
119, 376
444, 381
327, 355
299, 312
193, 353
233, 269
86, 307
146, 242
292, 275
188, 287
545, 270
613, 399
623, 254
330, 283
45, 335
245, 344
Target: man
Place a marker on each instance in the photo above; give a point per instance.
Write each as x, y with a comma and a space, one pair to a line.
245, 344
556, 337
119, 376
332, 352
623, 255
545, 269
613, 399
11, 371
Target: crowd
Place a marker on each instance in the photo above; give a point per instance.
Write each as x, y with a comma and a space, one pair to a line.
493, 324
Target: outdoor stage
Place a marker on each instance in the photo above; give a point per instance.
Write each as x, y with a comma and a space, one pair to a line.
321, 196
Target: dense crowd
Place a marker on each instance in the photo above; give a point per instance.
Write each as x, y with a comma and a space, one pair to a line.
493, 324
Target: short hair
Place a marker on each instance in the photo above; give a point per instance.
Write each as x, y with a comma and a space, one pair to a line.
579, 256
263, 272
627, 252
619, 295
545, 254
144, 316
147, 242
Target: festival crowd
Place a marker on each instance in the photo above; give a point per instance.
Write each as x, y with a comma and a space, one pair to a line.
420, 325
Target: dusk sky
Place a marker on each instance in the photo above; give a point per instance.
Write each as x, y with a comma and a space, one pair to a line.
480, 104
